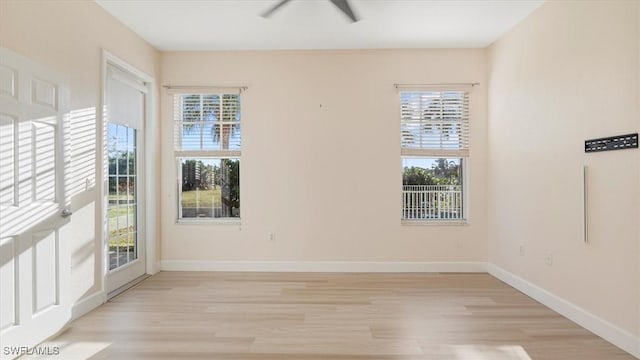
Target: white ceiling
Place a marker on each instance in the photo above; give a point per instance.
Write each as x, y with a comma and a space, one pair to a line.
318, 24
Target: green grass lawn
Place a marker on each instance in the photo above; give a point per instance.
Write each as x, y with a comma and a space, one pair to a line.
121, 222
119, 211
122, 237
201, 198
113, 196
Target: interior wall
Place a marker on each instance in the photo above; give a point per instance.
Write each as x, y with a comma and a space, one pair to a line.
326, 180
320, 165
567, 73
68, 37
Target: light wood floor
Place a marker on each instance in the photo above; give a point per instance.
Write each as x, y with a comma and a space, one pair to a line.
285, 316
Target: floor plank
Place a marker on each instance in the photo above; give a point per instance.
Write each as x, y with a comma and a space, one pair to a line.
313, 316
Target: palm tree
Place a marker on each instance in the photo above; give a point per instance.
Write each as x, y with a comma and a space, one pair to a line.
206, 176
448, 172
218, 114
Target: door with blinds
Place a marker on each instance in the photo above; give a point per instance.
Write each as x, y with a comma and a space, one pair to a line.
34, 203
125, 236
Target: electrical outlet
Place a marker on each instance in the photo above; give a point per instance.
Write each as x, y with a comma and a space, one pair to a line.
549, 259
272, 237
521, 250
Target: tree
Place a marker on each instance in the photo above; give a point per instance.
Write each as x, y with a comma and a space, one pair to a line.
219, 116
230, 184
212, 113
417, 176
190, 175
121, 164
446, 172
230, 169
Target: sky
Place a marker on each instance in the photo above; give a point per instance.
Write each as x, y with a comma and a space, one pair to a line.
425, 163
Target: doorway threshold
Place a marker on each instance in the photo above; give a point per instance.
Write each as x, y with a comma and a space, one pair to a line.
111, 295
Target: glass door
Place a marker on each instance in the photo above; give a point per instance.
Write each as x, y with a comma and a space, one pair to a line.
122, 227
125, 96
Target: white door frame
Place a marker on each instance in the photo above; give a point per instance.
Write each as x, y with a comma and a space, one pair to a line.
149, 205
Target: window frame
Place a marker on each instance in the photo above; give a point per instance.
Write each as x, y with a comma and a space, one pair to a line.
179, 154
434, 153
465, 220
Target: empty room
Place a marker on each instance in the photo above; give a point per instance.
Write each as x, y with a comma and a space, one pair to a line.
320, 179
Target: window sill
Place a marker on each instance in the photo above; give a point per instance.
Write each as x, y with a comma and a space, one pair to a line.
462, 222
200, 221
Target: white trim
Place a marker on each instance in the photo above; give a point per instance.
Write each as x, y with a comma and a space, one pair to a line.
151, 146
322, 266
203, 89
209, 221
434, 153
436, 87
150, 185
613, 334
466, 198
466, 191
124, 77
437, 222
87, 304
207, 154
123, 65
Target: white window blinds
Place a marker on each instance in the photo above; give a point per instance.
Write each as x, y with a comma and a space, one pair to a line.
125, 99
207, 122
437, 121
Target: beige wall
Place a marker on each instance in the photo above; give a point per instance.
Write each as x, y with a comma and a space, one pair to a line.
326, 179
567, 73
69, 36
320, 161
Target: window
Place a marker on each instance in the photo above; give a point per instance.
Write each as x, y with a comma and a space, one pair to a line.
122, 226
434, 151
207, 131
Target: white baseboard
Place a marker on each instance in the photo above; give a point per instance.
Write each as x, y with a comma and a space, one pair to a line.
613, 334
153, 267
87, 304
322, 266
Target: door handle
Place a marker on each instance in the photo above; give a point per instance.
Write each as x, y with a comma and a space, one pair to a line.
66, 212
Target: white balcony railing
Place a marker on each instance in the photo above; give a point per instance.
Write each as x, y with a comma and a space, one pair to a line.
432, 202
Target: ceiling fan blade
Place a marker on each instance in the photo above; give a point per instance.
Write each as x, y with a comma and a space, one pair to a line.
274, 8
343, 5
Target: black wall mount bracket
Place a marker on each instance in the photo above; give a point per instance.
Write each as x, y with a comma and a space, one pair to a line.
620, 142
